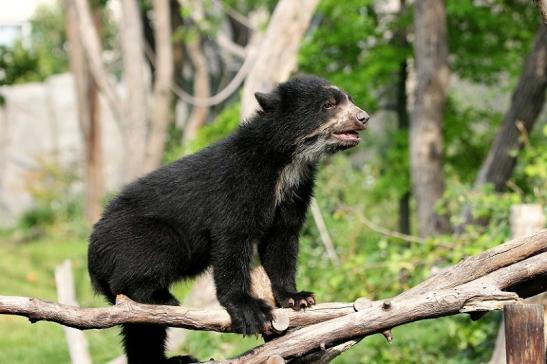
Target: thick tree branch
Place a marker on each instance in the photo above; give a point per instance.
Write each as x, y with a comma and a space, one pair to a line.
476, 296
477, 266
128, 311
481, 283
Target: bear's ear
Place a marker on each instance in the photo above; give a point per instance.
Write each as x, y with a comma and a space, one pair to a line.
267, 101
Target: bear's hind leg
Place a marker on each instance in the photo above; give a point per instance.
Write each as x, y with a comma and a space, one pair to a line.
145, 344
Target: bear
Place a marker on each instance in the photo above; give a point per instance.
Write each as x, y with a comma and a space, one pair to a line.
213, 208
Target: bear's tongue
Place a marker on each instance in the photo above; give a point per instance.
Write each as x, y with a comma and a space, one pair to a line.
349, 136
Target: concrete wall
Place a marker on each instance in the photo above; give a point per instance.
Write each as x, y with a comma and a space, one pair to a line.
38, 122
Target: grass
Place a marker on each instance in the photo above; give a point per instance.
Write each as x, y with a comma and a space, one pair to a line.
28, 270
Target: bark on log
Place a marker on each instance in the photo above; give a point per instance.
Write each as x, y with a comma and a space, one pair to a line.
483, 294
128, 311
475, 285
524, 334
477, 266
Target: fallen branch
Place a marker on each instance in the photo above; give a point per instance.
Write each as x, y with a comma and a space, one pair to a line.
128, 311
480, 283
482, 295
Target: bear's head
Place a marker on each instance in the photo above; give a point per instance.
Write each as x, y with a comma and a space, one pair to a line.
313, 116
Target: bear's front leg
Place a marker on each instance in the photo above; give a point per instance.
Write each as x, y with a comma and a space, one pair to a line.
231, 270
279, 255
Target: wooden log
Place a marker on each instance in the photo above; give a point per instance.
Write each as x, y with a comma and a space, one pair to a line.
524, 334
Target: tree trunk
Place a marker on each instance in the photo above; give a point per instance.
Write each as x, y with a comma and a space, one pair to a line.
202, 90
87, 96
160, 116
135, 105
277, 56
403, 120
431, 54
199, 114
94, 158
542, 6
91, 45
178, 47
526, 104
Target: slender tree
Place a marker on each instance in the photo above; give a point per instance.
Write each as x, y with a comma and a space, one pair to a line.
403, 118
432, 71
160, 116
526, 105
87, 97
199, 114
135, 107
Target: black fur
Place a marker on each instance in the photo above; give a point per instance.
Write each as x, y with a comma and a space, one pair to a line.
208, 209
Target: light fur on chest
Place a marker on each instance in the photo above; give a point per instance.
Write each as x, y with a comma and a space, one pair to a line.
290, 177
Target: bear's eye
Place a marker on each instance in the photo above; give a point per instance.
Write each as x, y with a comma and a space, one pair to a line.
329, 104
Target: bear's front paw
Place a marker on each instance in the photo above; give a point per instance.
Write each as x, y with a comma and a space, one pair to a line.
249, 315
295, 300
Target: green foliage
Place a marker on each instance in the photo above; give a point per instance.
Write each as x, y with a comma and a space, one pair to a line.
349, 48
48, 39
531, 172
208, 25
51, 188
18, 64
43, 55
488, 39
246, 6
223, 125
45, 52
467, 134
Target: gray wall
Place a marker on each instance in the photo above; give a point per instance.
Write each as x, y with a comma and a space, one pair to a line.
38, 122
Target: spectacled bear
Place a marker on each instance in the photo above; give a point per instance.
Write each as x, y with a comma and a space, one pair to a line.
212, 207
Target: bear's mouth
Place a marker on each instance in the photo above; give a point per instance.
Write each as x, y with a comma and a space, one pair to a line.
348, 138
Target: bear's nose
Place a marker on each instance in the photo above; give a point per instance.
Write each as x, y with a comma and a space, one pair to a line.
362, 116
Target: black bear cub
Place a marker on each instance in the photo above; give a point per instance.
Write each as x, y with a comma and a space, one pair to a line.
212, 207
